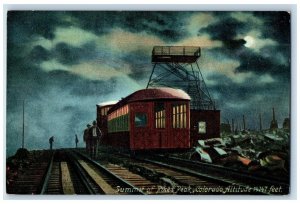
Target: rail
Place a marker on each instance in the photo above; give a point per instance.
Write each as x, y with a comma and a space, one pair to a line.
47, 175
246, 178
106, 171
81, 174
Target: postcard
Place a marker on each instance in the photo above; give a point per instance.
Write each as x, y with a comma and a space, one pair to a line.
148, 102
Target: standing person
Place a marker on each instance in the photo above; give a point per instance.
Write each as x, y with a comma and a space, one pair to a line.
76, 140
51, 140
95, 134
86, 138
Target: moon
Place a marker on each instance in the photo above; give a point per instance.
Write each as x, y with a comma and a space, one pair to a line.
249, 41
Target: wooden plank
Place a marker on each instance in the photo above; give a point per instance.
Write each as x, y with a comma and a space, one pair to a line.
107, 189
66, 180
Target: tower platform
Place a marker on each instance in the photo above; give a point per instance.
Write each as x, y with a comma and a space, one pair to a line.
177, 54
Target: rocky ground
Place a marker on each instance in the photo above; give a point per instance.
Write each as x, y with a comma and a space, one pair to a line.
264, 152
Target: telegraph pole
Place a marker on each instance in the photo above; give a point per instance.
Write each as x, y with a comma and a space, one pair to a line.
23, 125
260, 123
244, 122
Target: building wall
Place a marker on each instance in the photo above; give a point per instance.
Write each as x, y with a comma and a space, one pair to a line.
211, 118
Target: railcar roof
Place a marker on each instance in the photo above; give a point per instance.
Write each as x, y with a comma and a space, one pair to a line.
107, 103
153, 94
158, 93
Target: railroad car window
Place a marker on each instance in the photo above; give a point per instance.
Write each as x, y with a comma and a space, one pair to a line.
118, 120
160, 115
140, 120
201, 127
179, 116
105, 111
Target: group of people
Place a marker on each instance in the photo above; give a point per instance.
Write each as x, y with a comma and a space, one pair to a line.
51, 140
92, 136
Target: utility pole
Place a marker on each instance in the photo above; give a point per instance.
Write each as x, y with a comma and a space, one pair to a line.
244, 122
23, 124
274, 124
260, 123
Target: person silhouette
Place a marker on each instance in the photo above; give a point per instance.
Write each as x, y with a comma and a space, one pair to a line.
51, 140
76, 140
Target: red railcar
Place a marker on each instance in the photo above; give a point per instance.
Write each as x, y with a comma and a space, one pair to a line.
149, 119
157, 118
102, 109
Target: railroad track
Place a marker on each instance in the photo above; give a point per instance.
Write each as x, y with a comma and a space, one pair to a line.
31, 177
259, 184
211, 177
66, 172
132, 182
63, 177
108, 182
72, 172
172, 180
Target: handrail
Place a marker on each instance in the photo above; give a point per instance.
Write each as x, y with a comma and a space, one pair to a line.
176, 50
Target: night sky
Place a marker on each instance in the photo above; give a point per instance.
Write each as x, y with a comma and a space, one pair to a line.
64, 63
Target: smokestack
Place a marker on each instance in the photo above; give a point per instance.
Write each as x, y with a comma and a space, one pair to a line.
273, 114
232, 125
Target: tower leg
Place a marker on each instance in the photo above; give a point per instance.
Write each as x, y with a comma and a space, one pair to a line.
151, 75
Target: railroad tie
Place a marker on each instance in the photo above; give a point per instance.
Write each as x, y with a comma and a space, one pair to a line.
107, 189
66, 180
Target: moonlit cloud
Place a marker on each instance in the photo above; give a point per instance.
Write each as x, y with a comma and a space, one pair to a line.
53, 65
120, 41
198, 21
202, 41
266, 78
254, 42
247, 18
94, 71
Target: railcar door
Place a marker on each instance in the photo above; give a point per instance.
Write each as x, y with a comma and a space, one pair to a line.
140, 137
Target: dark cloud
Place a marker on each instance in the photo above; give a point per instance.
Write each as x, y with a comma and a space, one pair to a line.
273, 60
226, 31
94, 88
168, 25
26, 25
277, 25
251, 98
56, 103
140, 64
234, 44
70, 55
260, 64
39, 54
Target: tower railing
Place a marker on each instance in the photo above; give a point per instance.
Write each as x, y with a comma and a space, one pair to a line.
180, 54
177, 50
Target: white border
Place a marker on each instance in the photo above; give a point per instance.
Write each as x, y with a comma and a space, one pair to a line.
160, 5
